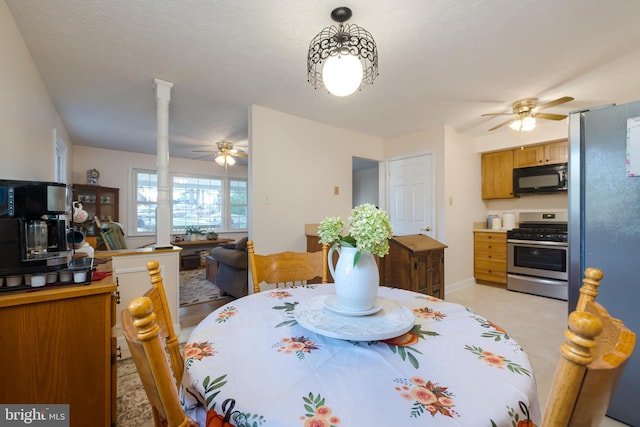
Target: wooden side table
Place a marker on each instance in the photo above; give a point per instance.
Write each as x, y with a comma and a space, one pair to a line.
212, 269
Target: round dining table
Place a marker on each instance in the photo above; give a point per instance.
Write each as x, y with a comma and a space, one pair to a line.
292, 357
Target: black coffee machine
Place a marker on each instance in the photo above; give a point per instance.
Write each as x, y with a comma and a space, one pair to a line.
32, 226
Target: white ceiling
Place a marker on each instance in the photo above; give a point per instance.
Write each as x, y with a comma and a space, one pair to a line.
441, 62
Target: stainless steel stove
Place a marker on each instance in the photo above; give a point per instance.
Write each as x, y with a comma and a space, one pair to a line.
537, 254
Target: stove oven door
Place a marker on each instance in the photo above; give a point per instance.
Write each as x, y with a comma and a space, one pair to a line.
540, 259
538, 268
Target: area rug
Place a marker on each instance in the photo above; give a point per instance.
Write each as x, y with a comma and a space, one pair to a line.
195, 289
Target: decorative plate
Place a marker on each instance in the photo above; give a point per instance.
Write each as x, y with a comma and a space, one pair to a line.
391, 321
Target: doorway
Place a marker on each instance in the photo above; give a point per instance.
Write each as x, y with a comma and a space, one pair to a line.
365, 181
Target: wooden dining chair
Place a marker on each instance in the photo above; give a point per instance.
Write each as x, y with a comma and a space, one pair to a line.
592, 360
142, 333
287, 267
163, 318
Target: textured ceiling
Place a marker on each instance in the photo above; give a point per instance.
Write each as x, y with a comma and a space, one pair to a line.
441, 62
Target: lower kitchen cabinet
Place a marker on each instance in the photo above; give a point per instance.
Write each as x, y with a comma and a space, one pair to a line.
490, 257
58, 348
414, 263
132, 278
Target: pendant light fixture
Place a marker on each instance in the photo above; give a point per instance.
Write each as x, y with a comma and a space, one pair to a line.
342, 58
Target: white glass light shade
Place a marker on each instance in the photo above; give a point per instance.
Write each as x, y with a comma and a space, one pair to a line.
342, 74
528, 123
225, 160
525, 123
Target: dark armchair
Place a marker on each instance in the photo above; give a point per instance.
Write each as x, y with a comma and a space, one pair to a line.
233, 273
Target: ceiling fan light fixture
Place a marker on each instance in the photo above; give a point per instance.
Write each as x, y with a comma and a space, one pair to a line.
516, 124
342, 58
225, 160
525, 122
528, 123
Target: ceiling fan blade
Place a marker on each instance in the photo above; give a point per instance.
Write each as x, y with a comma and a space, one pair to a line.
240, 154
497, 114
550, 116
202, 151
502, 124
554, 103
202, 157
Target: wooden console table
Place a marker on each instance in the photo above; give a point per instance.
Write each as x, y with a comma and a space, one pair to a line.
190, 257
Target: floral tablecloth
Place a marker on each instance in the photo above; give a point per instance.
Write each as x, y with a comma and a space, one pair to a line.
252, 364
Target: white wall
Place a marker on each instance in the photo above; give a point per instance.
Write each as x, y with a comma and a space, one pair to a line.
28, 117
293, 168
463, 204
116, 171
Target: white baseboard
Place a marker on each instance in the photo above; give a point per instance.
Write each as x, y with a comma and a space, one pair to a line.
453, 287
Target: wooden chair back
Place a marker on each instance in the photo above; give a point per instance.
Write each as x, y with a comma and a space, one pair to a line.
163, 318
592, 360
142, 334
287, 267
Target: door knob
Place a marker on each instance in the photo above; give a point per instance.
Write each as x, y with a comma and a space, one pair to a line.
427, 228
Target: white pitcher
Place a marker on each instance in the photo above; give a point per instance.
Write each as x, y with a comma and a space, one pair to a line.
356, 286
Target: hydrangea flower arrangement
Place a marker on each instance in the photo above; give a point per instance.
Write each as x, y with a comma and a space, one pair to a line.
369, 230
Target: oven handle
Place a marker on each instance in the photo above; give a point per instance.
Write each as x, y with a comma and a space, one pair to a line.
543, 280
537, 243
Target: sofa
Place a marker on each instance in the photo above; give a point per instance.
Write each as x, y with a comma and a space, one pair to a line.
233, 268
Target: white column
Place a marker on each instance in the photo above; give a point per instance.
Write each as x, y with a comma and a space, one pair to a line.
163, 211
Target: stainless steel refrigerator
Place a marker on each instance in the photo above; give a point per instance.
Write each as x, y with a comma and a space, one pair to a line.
604, 227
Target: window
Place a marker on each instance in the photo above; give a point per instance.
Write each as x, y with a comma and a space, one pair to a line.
213, 204
196, 202
60, 166
146, 201
238, 204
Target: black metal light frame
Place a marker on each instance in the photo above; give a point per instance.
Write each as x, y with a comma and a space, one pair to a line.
342, 39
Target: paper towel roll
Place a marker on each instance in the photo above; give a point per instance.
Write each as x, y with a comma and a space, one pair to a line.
508, 220
496, 224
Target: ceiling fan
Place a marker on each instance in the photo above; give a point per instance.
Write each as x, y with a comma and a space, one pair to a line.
226, 154
525, 112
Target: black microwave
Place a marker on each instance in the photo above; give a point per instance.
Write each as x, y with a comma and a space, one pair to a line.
540, 179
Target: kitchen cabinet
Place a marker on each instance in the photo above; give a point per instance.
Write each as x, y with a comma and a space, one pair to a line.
541, 154
557, 152
497, 175
130, 273
490, 257
58, 347
414, 263
99, 202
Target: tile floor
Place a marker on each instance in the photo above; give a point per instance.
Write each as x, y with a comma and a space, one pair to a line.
536, 323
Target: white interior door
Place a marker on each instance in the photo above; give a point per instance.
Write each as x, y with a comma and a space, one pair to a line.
411, 189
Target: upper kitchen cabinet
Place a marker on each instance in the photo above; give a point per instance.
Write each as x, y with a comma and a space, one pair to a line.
541, 154
497, 175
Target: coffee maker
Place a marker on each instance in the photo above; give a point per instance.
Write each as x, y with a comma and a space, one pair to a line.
33, 226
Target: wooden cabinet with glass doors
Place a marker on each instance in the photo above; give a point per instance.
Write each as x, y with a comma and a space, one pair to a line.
99, 202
